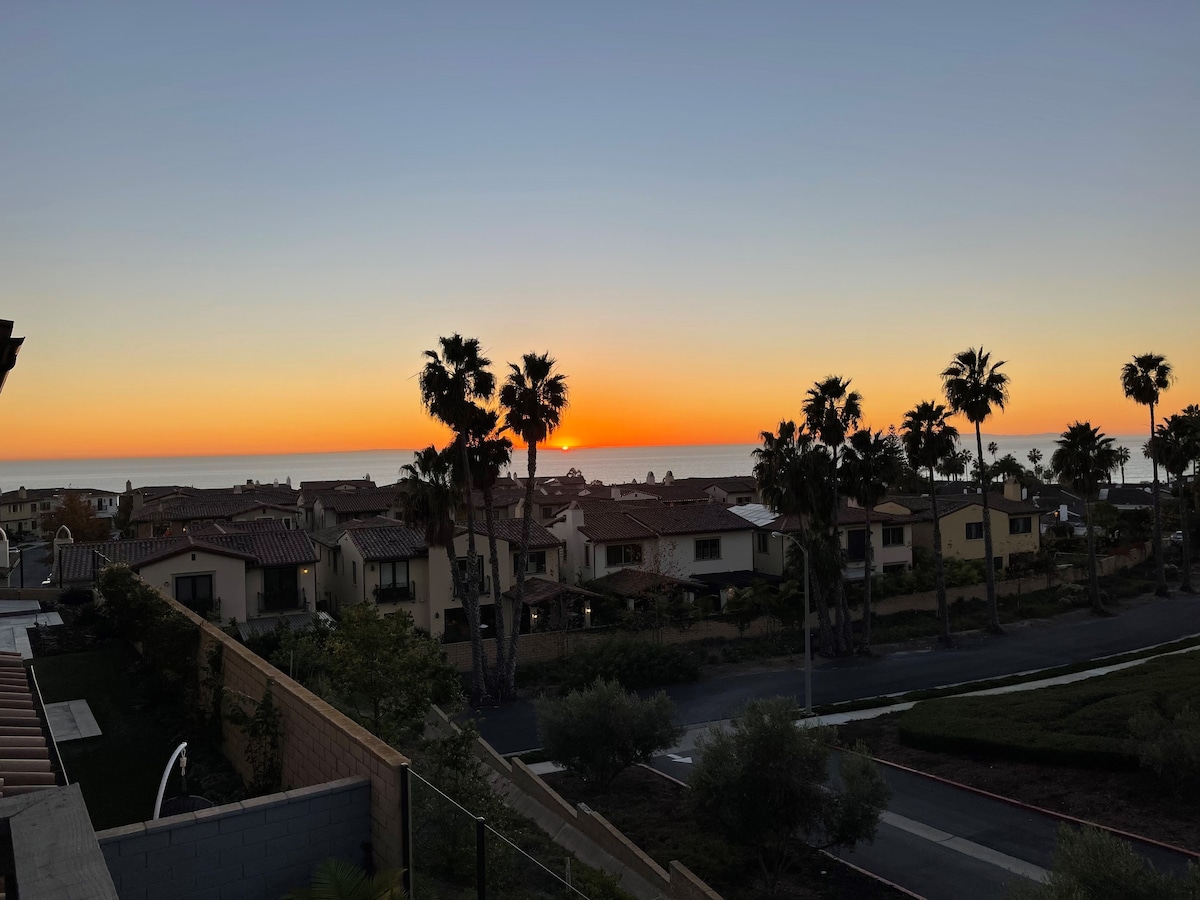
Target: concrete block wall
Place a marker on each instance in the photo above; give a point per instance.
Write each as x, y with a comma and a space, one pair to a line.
258, 848
320, 743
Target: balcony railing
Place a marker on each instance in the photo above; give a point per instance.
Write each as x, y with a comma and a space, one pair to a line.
282, 601
485, 587
396, 593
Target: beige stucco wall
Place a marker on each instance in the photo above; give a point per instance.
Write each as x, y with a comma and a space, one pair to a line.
956, 544
229, 578
881, 555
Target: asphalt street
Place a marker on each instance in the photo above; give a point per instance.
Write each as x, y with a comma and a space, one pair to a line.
1039, 644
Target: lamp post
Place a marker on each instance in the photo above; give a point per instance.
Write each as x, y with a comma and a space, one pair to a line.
807, 631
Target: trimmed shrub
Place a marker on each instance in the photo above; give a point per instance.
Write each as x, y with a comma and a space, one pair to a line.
1170, 749
632, 664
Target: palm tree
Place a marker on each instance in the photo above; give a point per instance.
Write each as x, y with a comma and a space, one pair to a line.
1143, 380
871, 463
1191, 412
929, 439
1175, 445
973, 385
337, 879
452, 384
1035, 460
993, 448
1007, 467
792, 476
1122, 458
533, 399
1083, 460
490, 453
831, 409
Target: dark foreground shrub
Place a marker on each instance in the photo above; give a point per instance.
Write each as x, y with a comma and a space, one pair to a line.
634, 664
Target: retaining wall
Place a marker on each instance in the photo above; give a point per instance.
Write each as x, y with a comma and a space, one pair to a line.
257, 848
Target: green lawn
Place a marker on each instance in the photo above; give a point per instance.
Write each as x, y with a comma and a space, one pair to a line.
1082, 724
120, 770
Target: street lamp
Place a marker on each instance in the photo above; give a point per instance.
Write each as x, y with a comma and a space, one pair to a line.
807, 631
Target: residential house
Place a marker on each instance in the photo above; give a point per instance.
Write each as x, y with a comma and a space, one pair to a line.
241, 571
178, 515
1015, 530
891, 539
310, 490
21, 510
339, 506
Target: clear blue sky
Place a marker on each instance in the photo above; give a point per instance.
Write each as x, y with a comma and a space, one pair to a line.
728, 201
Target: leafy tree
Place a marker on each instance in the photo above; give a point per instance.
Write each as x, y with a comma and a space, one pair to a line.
383, 662
1143, 380
452, 384
763, 785
1084, 459
601, 731
79, 516
973, 384
871, 463
831, 409
929, 439
337, 879
533, 398
1090, 864
1175, 445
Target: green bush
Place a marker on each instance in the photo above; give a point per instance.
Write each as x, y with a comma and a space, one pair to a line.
1170, 749
601, 731
1094, 865
633, 664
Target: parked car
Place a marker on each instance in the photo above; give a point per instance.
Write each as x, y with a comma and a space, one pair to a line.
1177, 537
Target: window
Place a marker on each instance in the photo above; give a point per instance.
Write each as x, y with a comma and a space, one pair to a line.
974, 531
461, 562
587, 555
393, 573
856, 544
763, 542
623, 554
536, 563
354, 571
1020, 525
547, 512
195, 592
708, 548
742, 501
893, 536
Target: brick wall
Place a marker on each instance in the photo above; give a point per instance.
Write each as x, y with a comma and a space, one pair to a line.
258, 848
320, 744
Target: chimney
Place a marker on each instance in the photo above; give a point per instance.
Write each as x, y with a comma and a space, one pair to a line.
649, 478
21, 495
128, 486
1012, 489
669, 478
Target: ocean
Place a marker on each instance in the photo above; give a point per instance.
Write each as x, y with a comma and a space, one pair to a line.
607, 464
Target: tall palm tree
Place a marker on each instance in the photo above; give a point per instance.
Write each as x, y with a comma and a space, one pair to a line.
1191, 412
831, 410
929, 439
1143, 380
1035, 460
871, 463
490, 453
1176, 445
791, 472
1122, 458
533, 398
993, 448
430, 502
453, 383
1083, 460
973, 385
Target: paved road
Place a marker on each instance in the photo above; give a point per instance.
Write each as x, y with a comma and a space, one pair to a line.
936, 839
512, 728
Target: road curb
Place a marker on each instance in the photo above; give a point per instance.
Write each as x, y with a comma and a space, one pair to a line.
1029, 807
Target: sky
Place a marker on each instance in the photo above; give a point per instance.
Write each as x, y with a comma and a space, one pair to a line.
234, 228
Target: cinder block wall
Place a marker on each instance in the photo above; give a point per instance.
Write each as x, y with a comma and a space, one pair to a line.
320, 744
259, 848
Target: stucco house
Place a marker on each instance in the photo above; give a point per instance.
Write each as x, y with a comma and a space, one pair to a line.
240, 571
1015, 528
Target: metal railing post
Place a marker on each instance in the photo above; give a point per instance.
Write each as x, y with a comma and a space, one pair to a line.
406, 833
480, 859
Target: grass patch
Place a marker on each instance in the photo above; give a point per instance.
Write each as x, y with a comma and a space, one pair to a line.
1085, 724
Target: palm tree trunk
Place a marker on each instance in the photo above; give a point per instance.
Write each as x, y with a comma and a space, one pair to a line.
501, 647
867, 573
841, 633
510, 672
1093, 579
824, 626
461, 587
470, 597
1160, 572
1186, 584
939, 563
989, 572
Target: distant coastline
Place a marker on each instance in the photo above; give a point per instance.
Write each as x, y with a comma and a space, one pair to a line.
607, 464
